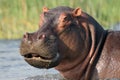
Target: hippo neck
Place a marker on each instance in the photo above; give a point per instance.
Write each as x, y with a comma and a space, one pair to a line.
95, 57
83, 69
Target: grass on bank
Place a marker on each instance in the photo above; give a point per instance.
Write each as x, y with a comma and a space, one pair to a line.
20, 16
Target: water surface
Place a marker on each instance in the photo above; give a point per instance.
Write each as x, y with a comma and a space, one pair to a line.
13, 66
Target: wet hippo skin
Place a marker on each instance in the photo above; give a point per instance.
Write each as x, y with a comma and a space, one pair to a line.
73, 43
108, 65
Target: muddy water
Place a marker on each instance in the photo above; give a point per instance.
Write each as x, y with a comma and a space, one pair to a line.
13, 67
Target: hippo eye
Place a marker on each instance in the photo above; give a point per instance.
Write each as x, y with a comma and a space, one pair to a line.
67, 18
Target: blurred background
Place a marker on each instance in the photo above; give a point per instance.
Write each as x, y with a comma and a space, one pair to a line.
20, 16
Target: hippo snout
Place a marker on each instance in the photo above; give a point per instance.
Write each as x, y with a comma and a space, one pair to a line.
40, 50
31, 37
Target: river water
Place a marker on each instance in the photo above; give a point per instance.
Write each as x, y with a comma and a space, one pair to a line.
13, 66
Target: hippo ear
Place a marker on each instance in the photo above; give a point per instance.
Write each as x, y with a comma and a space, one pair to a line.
77, 12
45, 9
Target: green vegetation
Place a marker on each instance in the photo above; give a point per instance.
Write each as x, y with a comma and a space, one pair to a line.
20, 16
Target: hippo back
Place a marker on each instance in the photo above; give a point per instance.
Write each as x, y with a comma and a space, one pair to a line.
108, 65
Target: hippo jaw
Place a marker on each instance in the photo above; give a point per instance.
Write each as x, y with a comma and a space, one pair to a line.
34, 59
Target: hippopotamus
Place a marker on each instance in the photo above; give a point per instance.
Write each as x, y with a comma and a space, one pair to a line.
75, 44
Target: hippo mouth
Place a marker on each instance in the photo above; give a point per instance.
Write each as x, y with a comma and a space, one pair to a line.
36, 60
39, 57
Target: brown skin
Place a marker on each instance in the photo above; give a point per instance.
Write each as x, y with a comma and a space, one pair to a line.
108, 65
70, 40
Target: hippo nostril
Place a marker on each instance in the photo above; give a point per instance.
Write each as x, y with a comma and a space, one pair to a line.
41, 36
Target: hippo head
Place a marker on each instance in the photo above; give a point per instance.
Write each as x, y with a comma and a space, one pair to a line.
56, 40
40, 48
